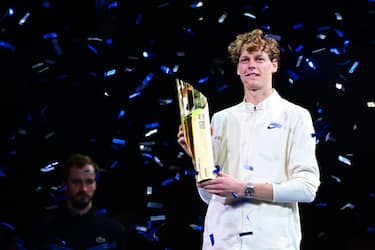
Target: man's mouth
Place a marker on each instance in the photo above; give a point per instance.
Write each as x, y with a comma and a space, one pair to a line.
252, 75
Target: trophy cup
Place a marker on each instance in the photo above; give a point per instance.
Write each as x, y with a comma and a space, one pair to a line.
195, 120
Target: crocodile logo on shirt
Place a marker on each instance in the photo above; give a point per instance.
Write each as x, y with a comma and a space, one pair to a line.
100, 239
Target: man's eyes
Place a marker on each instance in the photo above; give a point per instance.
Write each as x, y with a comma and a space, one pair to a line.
86, 182
89, 182
244, 60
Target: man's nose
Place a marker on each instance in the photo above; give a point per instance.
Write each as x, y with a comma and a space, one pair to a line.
251, 64
83, 186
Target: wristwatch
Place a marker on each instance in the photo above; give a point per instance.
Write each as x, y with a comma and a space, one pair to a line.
249, 190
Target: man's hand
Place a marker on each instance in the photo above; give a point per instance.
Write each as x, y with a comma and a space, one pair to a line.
224, 185
182, 141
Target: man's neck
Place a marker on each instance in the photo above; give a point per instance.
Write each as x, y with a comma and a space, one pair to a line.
79, 211
257, 96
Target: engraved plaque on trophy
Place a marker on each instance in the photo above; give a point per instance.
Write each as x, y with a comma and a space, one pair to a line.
195, 121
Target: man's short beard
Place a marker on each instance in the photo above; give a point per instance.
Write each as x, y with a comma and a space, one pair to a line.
81, 203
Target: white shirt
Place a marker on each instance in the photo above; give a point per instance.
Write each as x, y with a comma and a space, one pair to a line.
270, 142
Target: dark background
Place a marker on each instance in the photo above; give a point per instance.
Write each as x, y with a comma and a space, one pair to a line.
56, 98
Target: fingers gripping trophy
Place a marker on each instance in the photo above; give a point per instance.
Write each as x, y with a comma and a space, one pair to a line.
195, 121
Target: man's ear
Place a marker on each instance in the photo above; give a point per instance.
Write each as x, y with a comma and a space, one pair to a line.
275, 64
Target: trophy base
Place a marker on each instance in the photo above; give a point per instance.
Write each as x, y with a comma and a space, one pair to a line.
204, 180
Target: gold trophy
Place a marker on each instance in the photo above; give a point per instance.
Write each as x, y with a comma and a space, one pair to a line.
195, 122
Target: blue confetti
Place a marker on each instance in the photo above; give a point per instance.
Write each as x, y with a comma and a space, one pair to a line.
149, 191
217, 169
121, 114
23, 19
311, 64
112, 5
167, 181
353, 67
10, 12
180, 53
196, 4
145, 54
56, 47
138, 19
202, 80
264, 8
276, 37
46, 4
145, 82
248, 167
109, 41
247, 14
155, 205
11, 227
163, 102
297, 26
245, 233
50, 35
114, 164
166, 70
339, 33
94, 50
110, 72
8, 46
222, 17
324, 28
293, 75
101, 211
132, 96
212, 239
334, 51
266, 27
163, 5
222, 88
49, 167
344, 160
189, 31
321, 204
157, 217
235, 195
152, 125
147, 155
196, 227
299, 48
118, 141
190, 172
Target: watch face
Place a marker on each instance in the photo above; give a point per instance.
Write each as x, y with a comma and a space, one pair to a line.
249, 191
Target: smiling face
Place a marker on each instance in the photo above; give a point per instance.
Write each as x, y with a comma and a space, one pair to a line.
257, 57
255, 70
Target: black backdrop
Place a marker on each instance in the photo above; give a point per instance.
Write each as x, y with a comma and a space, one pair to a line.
74, 77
